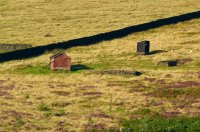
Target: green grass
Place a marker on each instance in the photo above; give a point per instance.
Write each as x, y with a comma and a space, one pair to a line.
43, 107
3, 51
42, 70
34, 70
160, 124
19, 122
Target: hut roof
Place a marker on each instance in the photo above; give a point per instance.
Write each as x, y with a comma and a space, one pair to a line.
58, 54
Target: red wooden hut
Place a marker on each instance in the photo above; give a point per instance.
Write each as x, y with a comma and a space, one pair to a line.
60, 61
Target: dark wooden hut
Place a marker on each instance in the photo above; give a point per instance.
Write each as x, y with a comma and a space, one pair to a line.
143, 47
60, 61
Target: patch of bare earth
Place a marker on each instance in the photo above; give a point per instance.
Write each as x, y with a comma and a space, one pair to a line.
38, 128
139, 89
8, 87
155, 81
92, 93
150, 79
185, 84
181, 84
3, 118
30, 86
98, 127
87, 87
181, 104
61, 93
2, 81
55, 86
171, 114
169, 76
184, 61
13, 113
101, 115
135, 116
60, 126
51, 86
62, 85
198, 74
114, 85
4, 93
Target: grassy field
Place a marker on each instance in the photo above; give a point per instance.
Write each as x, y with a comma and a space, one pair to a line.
40, 22
34, 98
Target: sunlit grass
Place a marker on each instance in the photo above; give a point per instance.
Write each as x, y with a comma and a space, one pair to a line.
34, 98
40, 22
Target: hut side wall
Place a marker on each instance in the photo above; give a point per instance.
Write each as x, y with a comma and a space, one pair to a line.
52, 63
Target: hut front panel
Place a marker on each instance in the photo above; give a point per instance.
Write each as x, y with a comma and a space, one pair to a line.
61, 62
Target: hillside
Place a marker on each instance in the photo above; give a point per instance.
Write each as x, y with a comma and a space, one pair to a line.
40, 22
34, 98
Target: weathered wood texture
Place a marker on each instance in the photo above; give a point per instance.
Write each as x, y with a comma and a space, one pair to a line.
143, 47
60, 61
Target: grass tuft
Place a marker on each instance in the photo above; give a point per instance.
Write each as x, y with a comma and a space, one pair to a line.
19, 122
43, 107
60, 112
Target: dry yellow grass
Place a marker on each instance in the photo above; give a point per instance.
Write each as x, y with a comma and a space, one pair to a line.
33, 98
89, 99
40, 22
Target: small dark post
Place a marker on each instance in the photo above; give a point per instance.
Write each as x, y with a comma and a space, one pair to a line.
143, 47
172, 63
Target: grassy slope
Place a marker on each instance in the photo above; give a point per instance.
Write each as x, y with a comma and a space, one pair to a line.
38, 95
34, 98
40, 22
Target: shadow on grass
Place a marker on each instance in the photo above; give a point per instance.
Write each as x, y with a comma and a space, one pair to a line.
79, 67
42, 70
157, 52
90, 40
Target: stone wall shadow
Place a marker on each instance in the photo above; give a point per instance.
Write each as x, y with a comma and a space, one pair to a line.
85, 41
